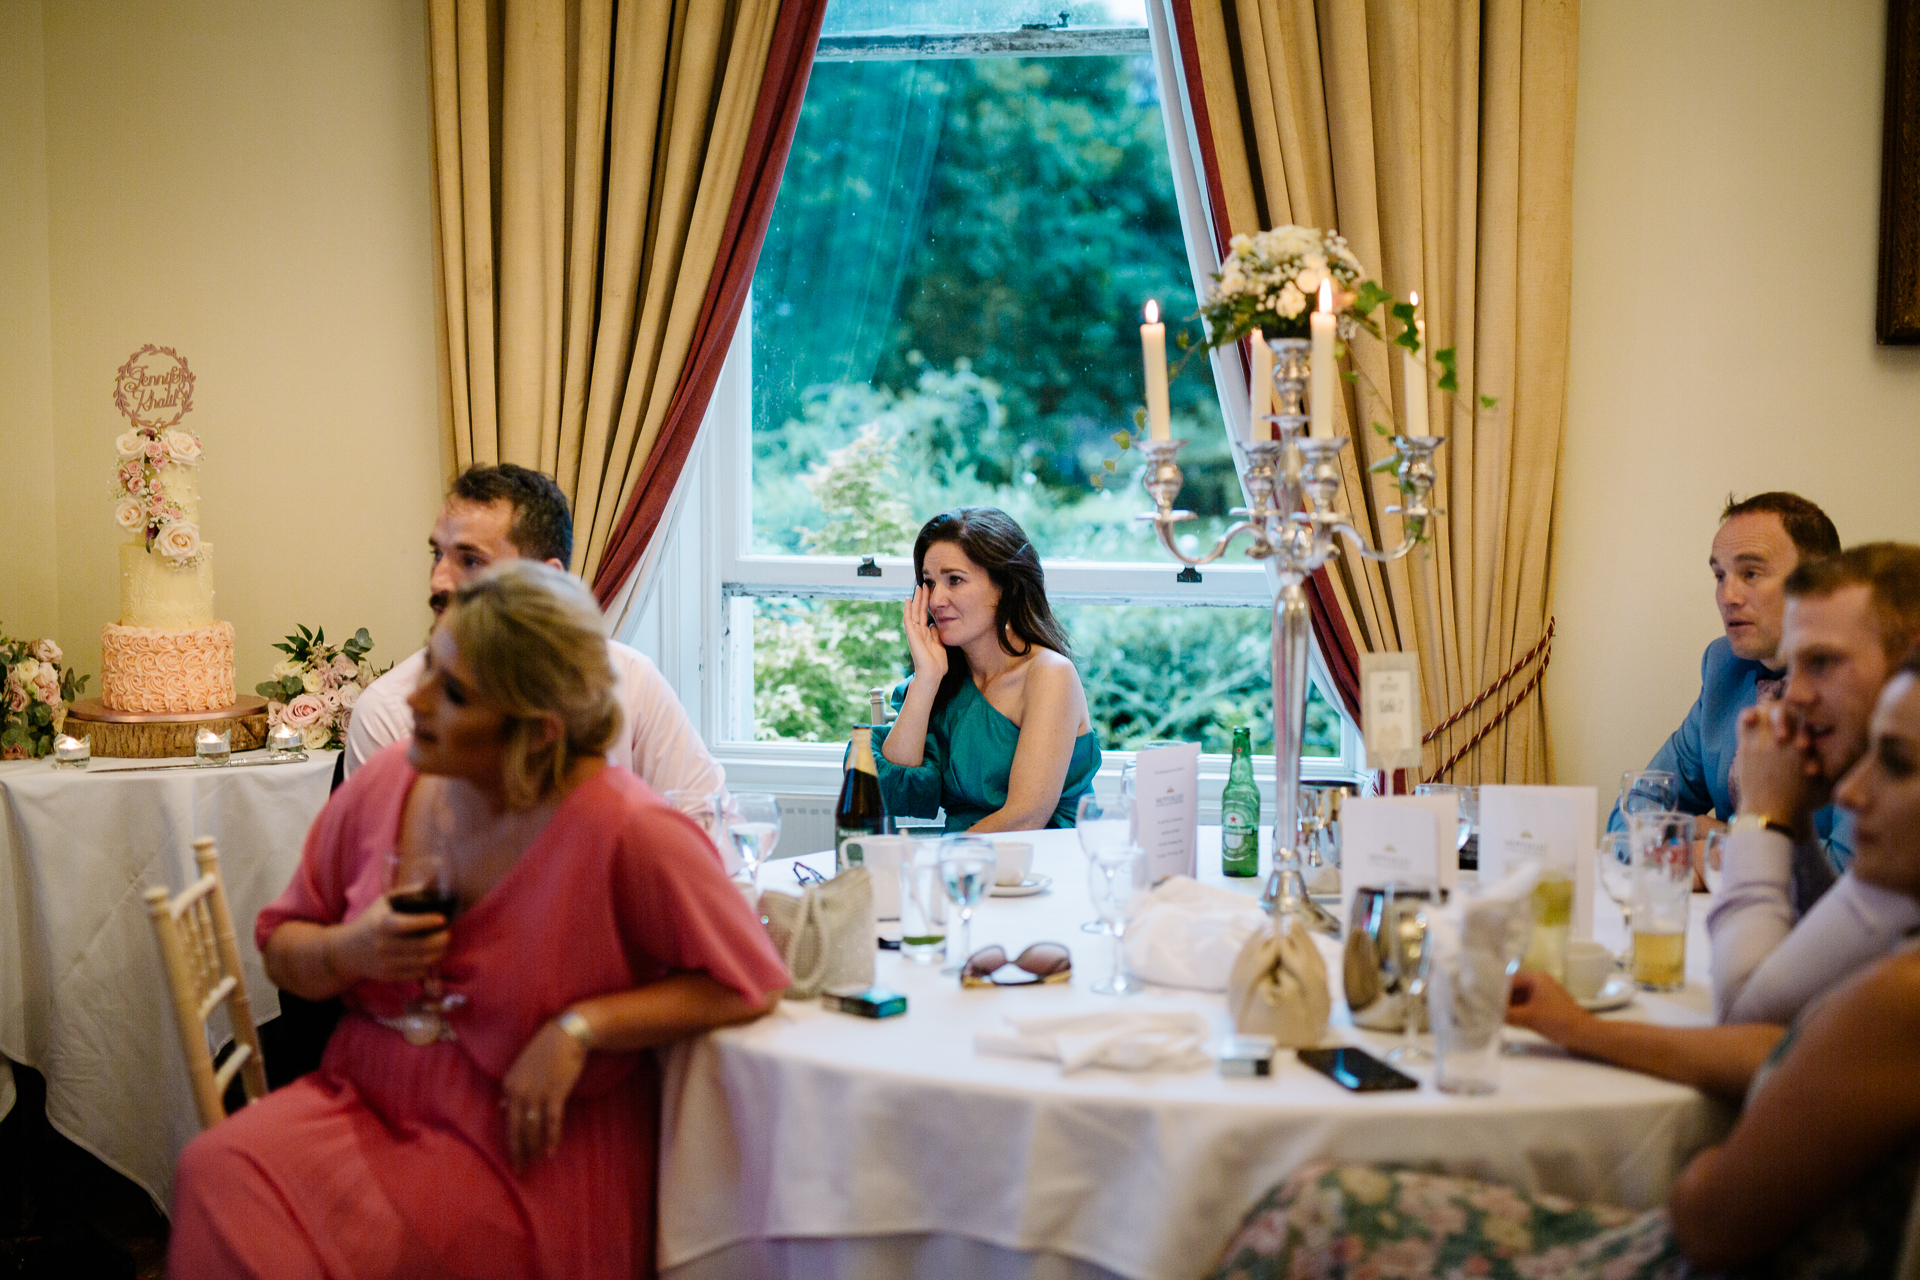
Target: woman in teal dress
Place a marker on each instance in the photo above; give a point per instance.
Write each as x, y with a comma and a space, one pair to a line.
993, 725
1816, 1179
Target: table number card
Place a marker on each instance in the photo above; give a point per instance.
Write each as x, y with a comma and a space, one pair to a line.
1166, 809
1381, 839
1390, 709
1552, 824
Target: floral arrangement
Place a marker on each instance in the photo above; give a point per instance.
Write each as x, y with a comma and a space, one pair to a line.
33, 697
316, 685
1271, 282
142, 505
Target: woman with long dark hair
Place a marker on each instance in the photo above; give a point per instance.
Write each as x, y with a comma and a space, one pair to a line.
993, 725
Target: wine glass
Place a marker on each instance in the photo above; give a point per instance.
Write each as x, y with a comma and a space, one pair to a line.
1648, 791
1113, 877
1413, 960
966, 868
755, 830
425, 886
1103, 825
1614, 861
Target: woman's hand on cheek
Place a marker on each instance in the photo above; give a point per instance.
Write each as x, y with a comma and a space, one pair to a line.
534, 1093
923, 641
390, 946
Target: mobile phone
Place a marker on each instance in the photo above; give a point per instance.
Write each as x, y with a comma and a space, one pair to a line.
1356, 1069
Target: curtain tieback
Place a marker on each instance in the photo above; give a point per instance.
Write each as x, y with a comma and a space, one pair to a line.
1543, 650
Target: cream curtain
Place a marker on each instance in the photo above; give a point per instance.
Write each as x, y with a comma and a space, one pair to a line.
586, 157
1438, 138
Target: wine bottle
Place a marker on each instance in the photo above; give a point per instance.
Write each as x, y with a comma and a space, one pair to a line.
859, 812
877, 704
1240, 812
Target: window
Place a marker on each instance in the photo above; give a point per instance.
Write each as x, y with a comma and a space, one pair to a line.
970, 214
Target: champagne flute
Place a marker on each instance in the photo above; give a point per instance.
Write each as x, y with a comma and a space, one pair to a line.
1103, 825
966, 868
1113, 877
755, 831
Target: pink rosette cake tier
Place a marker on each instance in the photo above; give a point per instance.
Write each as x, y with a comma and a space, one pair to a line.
157, 670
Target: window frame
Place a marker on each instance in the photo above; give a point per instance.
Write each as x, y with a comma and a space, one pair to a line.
710, 562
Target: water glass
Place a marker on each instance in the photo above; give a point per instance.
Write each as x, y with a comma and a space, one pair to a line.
1662, 843
1105, 826
1648, 791
923, 905
1552, 921
755, 830
1413, 966
1113, 878
1467, 1004
966, 869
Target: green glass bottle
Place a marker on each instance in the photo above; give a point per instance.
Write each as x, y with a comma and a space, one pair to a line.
1240, 812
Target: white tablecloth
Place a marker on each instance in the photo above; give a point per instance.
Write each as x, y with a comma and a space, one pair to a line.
82, 996
814, 1143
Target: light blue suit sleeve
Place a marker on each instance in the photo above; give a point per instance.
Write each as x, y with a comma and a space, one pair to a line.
1682, 756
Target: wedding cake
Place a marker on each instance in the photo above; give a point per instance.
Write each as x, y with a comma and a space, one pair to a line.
167, 653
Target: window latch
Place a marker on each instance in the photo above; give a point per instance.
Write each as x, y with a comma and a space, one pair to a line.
867, 569
1188, 574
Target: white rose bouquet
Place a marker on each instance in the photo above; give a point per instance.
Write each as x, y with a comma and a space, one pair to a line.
1271, 282
34, 693
315, 686
141, 504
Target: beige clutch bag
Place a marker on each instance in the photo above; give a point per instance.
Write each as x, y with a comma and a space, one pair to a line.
1278, 987
825, 936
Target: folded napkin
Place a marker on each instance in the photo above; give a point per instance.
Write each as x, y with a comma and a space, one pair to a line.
1187, 934
1138, 1040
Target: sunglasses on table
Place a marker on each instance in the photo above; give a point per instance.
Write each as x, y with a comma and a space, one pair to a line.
1041, 962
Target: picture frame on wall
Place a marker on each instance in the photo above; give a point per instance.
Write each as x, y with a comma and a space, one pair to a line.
1897, 317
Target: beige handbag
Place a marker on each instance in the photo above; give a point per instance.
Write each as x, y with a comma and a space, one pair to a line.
1278, 986
825, 935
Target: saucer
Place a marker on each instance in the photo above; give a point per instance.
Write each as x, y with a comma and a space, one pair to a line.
1025, 889
1618, 993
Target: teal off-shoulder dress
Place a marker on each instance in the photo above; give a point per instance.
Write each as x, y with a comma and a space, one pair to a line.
966, 763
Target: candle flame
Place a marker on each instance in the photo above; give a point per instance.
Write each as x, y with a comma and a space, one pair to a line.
1326, 294
1414, 298
1153, 311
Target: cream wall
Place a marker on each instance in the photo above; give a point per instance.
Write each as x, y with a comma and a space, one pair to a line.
249, 184
1726, 218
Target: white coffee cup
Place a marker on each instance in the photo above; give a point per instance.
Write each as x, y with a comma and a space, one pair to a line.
1012, 859
1589, 965
882, 856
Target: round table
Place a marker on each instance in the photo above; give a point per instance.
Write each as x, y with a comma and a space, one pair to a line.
815, 1143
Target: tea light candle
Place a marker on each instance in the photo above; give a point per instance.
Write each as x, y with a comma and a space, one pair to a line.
72, 753
284, 740
213, 748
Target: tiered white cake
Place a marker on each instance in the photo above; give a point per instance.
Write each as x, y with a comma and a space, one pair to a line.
168, 653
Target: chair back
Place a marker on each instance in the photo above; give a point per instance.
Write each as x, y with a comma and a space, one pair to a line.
197, 946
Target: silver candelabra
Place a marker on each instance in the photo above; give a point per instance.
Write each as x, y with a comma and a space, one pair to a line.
1291, 482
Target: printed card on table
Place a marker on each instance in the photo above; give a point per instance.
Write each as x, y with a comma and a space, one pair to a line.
1382, 839
1166, 800
1552, 824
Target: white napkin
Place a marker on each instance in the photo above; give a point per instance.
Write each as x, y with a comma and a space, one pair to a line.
1139, 1040
1187, 934
1477, 939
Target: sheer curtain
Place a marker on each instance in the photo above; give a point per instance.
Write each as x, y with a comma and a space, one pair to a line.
604, 173
1438, 138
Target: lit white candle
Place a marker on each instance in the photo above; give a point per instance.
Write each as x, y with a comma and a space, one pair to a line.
1153, 351
1320, 398
1261, 429
1413, 368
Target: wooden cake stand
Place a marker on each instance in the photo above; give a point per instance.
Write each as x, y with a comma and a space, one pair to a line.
153, 735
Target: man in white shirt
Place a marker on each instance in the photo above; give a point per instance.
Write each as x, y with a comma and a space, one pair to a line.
507, 512
1849, 622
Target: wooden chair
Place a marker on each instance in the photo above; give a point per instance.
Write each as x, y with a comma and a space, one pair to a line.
195, 931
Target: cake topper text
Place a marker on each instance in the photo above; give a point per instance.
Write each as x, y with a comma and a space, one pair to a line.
154, 388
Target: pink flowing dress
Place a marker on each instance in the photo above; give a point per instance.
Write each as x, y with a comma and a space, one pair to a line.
391, 1159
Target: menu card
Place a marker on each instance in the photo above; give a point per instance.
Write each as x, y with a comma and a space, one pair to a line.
1166, 809
1554, 825
1386, 838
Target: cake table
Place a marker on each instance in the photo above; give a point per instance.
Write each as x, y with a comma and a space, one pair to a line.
151, 735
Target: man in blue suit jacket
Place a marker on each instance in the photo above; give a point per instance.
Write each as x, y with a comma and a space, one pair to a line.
1760, 541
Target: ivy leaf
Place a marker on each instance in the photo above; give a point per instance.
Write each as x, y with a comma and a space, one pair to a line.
1409, 336
1385, 464
1449, 380
1124, 439
1488, 402
1381, 431
1182, 339
1107, 463
1098, 480
1140, 417
1370, 297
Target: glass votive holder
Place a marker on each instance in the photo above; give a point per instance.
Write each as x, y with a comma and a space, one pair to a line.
72, 753
212, 748
285, 743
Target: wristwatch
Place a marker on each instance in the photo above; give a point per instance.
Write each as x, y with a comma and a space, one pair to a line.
1757, 822
578, 1027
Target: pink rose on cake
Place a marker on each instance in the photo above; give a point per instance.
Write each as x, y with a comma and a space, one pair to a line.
178, 541
156, 453
184, 446
132, 478
304, 712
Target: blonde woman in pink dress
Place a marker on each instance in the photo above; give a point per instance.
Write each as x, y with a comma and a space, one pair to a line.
590, 923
